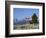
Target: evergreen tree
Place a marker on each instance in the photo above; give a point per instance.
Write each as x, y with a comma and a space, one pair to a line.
34, 18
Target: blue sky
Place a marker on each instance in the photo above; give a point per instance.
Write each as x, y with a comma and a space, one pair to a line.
20, 13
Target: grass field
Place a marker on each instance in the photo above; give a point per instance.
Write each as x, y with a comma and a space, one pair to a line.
26, 26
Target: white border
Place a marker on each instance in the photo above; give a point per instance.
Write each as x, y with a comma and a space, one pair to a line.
25, 31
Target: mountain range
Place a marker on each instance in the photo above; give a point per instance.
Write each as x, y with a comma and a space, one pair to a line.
23, 21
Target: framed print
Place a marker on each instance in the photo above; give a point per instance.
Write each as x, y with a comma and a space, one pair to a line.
24, 18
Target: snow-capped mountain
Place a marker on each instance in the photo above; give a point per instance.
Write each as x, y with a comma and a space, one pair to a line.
24, 21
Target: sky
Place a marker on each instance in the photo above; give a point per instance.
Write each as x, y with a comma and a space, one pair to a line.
20, 13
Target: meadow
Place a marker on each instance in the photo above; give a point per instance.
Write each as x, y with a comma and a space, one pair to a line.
26, 26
